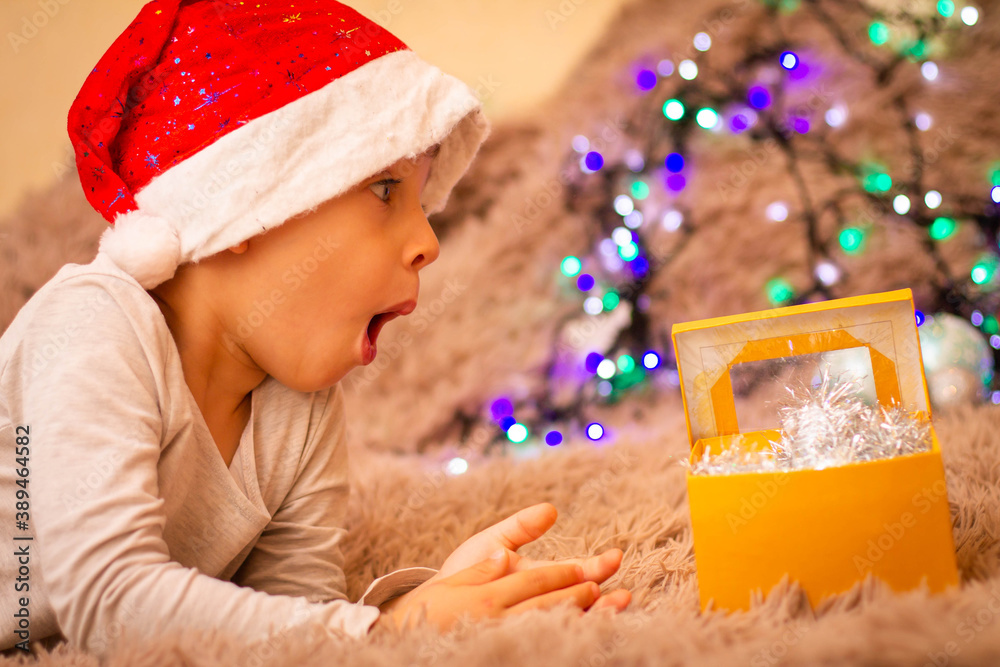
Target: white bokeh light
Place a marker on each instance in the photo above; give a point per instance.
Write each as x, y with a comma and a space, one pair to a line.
932, 199
777, 211
702, 41
836, 116
593, 306
672, 220
687, 69
901, 204
624, 205
929, 70
970, 15
827, 273
457, 466
923, 121
581, 144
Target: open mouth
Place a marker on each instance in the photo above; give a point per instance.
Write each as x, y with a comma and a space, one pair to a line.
376, 324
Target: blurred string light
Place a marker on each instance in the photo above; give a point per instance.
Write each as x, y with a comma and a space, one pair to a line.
789, 60
970, 15
595, 431
457, 466
570, 266
878, 32
688, 70
836, 115
901, 204
942, 228
851, 240
777, 211
621, 254
673, 109
646, 80
517, 433
707, 118
779, 291
827, 273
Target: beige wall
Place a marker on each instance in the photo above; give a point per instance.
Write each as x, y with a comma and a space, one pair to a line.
505, 45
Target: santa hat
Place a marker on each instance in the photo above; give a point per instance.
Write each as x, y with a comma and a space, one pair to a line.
209, 122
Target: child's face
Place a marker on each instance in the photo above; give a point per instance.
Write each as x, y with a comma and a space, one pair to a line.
316, 290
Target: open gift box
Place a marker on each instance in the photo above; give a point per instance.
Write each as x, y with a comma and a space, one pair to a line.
826, 529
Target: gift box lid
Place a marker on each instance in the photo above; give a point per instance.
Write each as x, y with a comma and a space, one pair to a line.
881, 328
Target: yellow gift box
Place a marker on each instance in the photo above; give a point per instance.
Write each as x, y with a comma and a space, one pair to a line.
829, 528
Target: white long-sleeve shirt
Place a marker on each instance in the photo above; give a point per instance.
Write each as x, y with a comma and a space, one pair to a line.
128, 514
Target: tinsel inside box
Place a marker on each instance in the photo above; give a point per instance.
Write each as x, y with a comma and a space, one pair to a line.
825, 528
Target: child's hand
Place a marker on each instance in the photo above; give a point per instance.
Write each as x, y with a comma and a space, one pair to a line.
526, 526
486, 590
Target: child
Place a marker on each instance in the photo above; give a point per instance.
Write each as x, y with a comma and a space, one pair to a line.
170, 413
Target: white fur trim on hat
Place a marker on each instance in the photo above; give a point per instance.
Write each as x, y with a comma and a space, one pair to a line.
312, 149
143, 245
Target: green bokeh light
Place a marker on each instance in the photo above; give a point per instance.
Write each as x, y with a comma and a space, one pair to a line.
990, 325
707, 118
640, 190
942, 228
984, 270
851, 239
779, 291
517, 433
945, 8
611, 301
629, 251
878, 32
570, 266
626, 363
673, 109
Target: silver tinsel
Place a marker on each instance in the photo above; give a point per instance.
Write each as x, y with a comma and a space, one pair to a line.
824, 427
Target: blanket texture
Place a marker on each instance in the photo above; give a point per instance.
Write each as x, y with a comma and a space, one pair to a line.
485, 325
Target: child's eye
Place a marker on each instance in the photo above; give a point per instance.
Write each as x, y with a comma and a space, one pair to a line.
386, 184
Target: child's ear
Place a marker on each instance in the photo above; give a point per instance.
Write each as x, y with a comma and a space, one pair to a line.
240, 247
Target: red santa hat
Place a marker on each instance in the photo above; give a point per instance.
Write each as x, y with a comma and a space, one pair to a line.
208, 122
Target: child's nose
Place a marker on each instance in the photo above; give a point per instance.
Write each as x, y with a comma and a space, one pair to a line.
425, 248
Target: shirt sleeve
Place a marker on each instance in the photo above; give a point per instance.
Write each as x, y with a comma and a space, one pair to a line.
95, 419
299, 552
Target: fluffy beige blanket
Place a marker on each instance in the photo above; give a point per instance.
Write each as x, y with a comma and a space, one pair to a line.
489, 311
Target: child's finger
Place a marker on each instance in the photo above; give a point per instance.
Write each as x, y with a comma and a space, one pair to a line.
582, 595
617, 600
482, 572
520, 586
